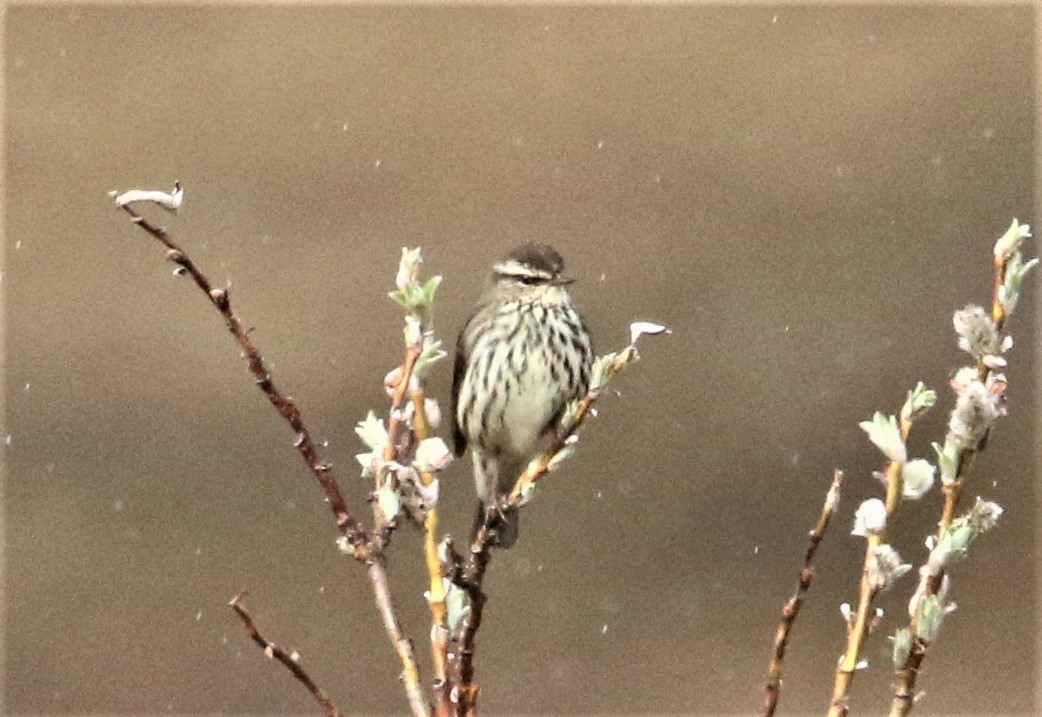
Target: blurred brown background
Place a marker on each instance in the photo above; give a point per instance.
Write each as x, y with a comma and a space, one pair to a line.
803, 194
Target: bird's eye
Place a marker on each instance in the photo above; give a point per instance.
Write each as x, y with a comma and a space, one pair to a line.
528, 280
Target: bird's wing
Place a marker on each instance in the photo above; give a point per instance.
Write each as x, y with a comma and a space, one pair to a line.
459, 368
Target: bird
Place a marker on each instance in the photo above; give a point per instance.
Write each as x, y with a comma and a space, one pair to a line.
521, 357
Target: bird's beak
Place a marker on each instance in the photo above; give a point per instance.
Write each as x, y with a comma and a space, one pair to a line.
562, 280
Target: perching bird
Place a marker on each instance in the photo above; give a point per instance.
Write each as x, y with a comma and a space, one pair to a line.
521, 357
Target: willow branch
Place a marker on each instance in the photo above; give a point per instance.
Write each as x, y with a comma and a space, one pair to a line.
357, 538
436, 592
275, 652
410, 674
953, 491
791, 610
906, 674
350, 528
472, 572
858, 630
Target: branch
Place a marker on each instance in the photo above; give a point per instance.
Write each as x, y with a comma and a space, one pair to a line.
872, 581
410, 674
355, 539
435, 573
772, 690
406, 459
980, 391
349, 528
472, 572
273, 651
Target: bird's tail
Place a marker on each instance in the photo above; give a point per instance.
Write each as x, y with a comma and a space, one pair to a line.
495, 477
505, 525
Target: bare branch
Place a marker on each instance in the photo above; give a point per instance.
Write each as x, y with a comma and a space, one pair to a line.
350, 528
772, 690
470, 575
275, 652
357, 539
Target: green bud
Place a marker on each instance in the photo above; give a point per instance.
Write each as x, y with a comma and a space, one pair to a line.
429, 355
603, 370
920, 399
884, 432
902, 647
430, 288
931, 616
947, 460
457, 604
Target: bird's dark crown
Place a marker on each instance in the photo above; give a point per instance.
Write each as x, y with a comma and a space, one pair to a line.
531, 262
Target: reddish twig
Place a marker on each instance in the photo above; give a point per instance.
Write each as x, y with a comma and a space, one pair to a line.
471, 573
275, 652
350, 528
361, 543
772, 690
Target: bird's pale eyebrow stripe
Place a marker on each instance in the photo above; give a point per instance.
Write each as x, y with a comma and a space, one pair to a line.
515, 270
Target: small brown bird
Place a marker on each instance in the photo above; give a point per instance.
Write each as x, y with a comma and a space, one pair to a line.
521, 357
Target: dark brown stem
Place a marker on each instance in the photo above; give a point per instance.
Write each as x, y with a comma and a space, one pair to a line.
354, 532
472, 571
277, 653
470, 577
904, 685
791, 610
350, 528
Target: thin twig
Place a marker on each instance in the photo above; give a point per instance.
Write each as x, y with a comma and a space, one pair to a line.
410, 674
907, 674
435, 573
472, 572
275, 652
791, 610
858, 631
362, 544
350, 528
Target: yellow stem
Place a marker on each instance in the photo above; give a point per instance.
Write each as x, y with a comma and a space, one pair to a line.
436, 595
858, 631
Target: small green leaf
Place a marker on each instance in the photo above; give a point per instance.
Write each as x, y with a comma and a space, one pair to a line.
430, 354
1016, 270
920, 399
931, 617
527, 493
560, 457
947, 460
399, 298
430, 288
883, 431
1009, 243
902, 644
457, 604
603, 370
